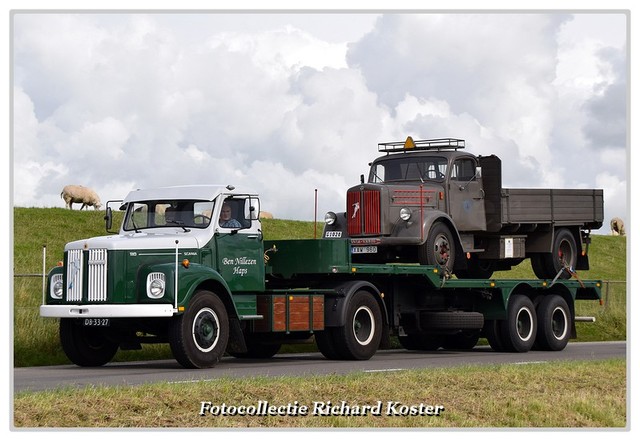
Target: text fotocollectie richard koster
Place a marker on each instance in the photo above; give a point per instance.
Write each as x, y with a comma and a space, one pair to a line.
321, 408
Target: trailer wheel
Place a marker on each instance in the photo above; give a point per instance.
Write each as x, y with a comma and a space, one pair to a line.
439, 249
563, 253
492, 332
86, 346
518, 331
421, 342
360, 336
199, 337
462, 341
554, 323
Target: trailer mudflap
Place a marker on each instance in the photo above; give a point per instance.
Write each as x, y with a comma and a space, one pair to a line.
289, 312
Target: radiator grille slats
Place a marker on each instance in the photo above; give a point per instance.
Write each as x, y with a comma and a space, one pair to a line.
363, 211
95, 273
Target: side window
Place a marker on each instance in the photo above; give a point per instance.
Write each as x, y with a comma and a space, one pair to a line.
463, 170
232, 213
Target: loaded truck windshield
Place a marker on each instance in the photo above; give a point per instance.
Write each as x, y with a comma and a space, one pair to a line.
408, 168
158, 214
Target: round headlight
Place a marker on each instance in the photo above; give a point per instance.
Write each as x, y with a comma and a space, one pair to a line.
405, 214
330, 218
155, 285
56, 286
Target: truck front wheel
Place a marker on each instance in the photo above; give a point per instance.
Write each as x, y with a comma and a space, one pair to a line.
199, 337
360, 336
86, 346
439, 249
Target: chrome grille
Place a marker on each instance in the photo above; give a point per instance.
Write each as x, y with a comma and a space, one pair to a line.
96, 274
74, 276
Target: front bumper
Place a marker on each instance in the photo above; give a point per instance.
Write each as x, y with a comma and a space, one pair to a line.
107, 311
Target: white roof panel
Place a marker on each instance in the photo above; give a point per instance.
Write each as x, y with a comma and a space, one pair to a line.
199, 192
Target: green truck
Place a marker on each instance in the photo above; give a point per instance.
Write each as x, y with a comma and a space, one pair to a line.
189, 267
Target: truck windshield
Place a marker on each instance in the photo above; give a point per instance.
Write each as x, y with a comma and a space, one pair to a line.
158, 214
406, 168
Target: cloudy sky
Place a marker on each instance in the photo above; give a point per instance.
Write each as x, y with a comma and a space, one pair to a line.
289, 103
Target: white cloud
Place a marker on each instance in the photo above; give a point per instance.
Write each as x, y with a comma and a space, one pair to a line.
287, 104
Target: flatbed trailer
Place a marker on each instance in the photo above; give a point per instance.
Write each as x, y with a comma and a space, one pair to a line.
423, 305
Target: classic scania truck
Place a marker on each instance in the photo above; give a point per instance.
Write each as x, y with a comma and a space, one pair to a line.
189, 267
428, 201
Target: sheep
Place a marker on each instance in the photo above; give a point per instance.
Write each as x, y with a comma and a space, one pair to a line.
77, 194
617, 227
265, 215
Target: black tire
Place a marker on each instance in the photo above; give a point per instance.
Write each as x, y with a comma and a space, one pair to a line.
563, 253
538, 266
554, 323
421, 342
198, 338
86, 346
451, 320
258, 350
492, 332
439, 249
518, 331
325, 340
462, 341
360, 336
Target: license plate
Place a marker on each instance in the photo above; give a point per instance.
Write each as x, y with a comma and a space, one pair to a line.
96, 322
364, 250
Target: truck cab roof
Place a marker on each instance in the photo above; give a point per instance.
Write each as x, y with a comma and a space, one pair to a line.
183, 192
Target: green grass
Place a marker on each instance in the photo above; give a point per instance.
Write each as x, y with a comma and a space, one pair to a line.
548, 395
36, 339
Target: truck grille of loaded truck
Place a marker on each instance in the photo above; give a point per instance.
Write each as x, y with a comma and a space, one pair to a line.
363, 212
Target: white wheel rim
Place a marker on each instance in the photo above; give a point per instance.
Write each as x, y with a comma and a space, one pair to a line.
364, 325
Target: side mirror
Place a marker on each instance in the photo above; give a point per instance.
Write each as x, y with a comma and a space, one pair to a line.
108, 219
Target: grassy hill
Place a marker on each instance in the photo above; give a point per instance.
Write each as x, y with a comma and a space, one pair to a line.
36, 341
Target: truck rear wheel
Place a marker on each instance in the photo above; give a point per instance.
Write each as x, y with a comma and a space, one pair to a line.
518, 331
258, 350
462, 341
493, 333
199, 337
439, 249
564, 253
554, 323
86, 346
360, 336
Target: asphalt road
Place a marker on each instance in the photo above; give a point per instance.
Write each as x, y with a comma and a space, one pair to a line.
137, 373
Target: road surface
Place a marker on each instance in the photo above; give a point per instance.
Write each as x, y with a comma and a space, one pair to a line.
137, 373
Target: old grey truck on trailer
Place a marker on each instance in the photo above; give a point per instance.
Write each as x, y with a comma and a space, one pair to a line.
428, 201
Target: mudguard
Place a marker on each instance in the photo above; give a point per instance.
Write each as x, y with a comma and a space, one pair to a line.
335, 306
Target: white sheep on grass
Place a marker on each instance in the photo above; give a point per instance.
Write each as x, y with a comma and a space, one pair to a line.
77, 194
